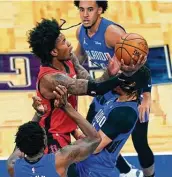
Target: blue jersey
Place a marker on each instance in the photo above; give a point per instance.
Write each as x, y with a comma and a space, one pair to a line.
45, 167
96, 49
100, 100
103, 164
95, 46
103, 114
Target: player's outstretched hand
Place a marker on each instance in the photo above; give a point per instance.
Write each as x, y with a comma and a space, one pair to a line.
60, 96
129, 70
37, 105
114, 65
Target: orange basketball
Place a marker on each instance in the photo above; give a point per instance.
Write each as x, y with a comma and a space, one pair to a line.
130, 46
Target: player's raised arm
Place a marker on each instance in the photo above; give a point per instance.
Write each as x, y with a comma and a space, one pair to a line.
112, 69
75, 86
12, 159
80, 149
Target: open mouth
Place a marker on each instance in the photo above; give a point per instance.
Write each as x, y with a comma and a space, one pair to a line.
86, 21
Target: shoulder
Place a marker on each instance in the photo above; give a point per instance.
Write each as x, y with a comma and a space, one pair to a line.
113, 34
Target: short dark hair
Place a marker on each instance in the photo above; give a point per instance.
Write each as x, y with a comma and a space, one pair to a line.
42, 39
102, 4
30, 138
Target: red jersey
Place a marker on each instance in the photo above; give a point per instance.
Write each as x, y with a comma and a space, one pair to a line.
55, 120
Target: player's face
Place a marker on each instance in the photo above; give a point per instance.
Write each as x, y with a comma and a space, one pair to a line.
89, 13
63, 48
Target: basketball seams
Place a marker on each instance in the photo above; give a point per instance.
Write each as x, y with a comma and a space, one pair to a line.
134, 39
135, 47
126, 51
123, 43
117, 50
131, 46
128, 48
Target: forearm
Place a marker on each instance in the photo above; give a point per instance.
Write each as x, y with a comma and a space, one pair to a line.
82, 123
82, 86
102, 87
82, 73
146, 97
105, 76
13, 157
36, 117
93, 88
81, 58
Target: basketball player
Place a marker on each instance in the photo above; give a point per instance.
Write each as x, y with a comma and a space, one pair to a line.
29, 159
54, 52
98, 36
114, 121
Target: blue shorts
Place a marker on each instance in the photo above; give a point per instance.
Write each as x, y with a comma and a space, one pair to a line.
99, 165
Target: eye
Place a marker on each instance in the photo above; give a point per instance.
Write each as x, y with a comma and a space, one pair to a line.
81, 9
64, 40
90, 9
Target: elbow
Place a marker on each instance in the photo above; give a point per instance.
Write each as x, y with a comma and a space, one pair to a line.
97, 139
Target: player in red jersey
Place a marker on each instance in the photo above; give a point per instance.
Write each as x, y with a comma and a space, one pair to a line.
59, 66
57, 123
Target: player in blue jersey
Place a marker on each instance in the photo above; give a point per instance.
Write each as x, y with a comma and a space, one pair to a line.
98, 36
28, 160
114, 121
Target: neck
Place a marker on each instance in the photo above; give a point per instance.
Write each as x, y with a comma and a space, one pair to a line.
95, 27
58, 64
35, 157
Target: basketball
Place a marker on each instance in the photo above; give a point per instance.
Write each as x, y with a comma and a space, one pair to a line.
130, 46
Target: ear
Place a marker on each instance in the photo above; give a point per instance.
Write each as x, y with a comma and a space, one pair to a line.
54, 52
100, 10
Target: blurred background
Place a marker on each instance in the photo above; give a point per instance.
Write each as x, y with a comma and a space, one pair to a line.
19, 68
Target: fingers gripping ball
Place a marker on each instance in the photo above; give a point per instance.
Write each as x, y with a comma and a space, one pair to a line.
132, 46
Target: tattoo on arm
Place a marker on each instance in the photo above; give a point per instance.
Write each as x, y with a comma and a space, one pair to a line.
80, 150
12, 159
104, 77
82, 58
82, 73
74, 86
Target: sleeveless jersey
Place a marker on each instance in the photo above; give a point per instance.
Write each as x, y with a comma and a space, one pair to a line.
55, 121
103, 163
95, 46
45, 167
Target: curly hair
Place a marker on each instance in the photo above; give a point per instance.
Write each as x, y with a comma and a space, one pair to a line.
102, 4
42, 39
30, 138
